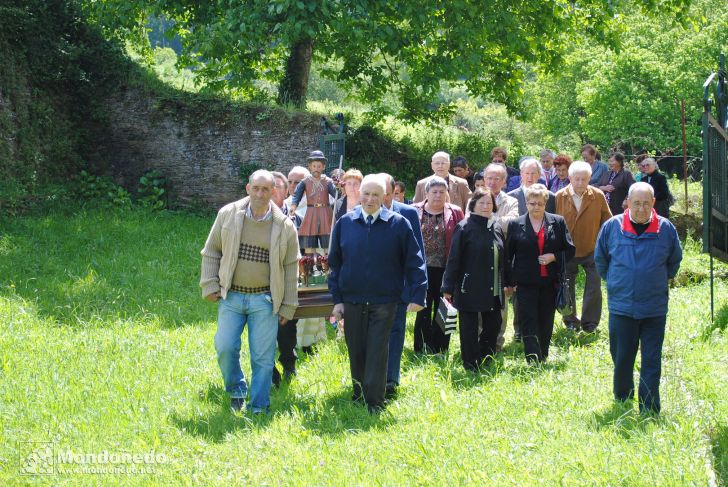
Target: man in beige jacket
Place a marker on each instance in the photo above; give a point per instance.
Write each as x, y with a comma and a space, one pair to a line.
457, 188
250, 267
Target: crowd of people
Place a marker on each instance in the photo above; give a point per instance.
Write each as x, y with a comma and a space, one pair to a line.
480, 242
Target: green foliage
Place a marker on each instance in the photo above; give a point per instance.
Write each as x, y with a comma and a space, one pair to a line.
379, 47
92, 190
56, 73
629, 97
246, 169
108, 303
152, 190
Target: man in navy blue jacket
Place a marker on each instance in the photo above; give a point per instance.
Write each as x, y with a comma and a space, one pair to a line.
636, 254
375, 262
396, 337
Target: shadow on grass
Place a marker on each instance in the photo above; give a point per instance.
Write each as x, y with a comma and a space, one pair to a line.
719, 445
624, 419
337, 414
219, 421
450, 367
94, 268
565, 338
719, 323
333, 416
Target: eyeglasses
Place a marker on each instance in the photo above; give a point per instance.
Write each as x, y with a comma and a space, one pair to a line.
640, 204
537, 204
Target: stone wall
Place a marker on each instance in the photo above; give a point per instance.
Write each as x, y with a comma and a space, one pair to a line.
199, 145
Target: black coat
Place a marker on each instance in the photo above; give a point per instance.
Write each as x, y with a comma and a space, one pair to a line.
522, 253
622, 181
663, 197
469, 273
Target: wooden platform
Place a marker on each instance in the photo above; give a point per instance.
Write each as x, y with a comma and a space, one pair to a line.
314, 302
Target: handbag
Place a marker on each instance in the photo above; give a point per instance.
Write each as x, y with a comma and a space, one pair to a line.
446, 317
563, 297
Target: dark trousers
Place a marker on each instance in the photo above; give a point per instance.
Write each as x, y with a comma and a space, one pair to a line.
474, 346
367, 339
396, 344
591, 305
625, 336
536, 307
428, 335
287, 345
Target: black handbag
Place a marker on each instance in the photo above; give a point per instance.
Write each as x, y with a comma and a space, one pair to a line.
563, 297
446, 317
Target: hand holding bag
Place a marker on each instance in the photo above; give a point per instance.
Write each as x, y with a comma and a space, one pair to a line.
563, 297
446, 317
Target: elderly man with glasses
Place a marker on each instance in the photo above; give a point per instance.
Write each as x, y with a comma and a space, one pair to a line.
637, 253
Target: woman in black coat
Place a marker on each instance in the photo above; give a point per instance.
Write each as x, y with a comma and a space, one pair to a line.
663, 197
473, 279
615, 184
538, 243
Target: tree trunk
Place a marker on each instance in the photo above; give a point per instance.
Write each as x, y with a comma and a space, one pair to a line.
294, 84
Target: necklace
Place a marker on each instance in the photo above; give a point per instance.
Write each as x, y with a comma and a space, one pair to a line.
536, 230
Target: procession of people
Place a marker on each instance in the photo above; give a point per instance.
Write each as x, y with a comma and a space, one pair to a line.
472, 242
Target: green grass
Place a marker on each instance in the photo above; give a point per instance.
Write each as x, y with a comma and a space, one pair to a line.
105, 344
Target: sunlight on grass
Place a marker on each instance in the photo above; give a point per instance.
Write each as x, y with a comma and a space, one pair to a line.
113, 350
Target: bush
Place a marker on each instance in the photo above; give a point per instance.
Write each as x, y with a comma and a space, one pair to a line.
152, 191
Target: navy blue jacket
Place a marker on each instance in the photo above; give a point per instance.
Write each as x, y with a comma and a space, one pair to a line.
637, 268
413, 217
378, 264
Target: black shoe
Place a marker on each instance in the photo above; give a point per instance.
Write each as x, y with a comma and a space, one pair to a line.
390, 391
276, 377
518, 338
590, 328
571, 326
237, 404
307, 350
289, 374
375, 410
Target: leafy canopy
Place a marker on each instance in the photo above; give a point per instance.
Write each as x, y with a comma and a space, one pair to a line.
384, 46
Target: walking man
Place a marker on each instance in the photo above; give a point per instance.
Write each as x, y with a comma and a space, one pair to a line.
250, 268
636, 254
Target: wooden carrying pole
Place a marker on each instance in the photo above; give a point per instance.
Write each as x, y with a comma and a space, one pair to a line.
685, 154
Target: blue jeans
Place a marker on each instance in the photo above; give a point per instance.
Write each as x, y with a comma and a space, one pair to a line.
234, 312
625, 336
396, 343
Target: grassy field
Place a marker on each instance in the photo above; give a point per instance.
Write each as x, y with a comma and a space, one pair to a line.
106, 346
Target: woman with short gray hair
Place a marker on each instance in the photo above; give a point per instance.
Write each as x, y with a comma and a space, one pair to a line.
538, 244
438, 219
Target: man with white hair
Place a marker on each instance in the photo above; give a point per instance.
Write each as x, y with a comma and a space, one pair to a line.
250, 268
397, 334
530, 174
295, 176
636, 253
585, 209
547, 157
457, 188
375, 263
495, 179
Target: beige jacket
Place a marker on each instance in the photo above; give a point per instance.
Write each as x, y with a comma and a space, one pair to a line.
507, 210
457, 189
220, 256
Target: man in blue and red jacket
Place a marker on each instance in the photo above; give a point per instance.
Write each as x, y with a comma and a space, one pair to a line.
375, 263
636, 254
